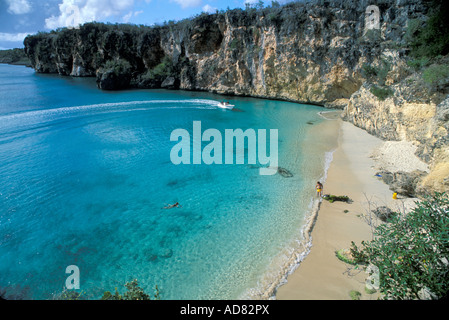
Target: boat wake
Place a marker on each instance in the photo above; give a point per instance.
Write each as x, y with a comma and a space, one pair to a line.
116, 106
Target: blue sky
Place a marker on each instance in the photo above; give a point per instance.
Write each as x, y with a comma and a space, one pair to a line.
21, 17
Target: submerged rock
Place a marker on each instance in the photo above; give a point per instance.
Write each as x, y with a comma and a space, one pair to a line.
284, 172
166, 253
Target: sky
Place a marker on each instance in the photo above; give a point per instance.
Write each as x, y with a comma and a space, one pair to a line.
18, 18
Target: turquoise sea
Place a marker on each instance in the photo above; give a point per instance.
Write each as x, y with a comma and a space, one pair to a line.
85, 175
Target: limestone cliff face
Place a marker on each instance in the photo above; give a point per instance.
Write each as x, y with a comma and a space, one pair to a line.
309, 52
411, 113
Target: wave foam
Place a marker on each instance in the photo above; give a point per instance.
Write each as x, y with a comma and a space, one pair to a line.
101, 107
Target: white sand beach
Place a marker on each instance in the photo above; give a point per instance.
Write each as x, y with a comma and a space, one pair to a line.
322, 276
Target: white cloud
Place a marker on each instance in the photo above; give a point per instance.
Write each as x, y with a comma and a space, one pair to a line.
12, 37
18, 6
131, 14
188, 3
209, 9
76, 12
251, 1
127, 17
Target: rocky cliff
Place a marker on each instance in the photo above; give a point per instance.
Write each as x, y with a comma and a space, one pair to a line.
412, 112
321, 52
309, 52
406, 98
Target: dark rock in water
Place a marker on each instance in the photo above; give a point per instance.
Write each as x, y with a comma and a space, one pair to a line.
114, 75
383, 213
151, 254
152, 257
166, 253
172, 183
284, 172
110, 80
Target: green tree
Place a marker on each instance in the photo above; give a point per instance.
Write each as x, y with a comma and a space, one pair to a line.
118, 67
430, 38
437, 75
412, 251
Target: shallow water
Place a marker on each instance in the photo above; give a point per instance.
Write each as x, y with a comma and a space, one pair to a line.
85, 174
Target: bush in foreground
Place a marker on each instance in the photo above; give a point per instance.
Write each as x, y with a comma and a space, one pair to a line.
412, 252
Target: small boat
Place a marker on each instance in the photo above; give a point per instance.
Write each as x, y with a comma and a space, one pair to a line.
225, 105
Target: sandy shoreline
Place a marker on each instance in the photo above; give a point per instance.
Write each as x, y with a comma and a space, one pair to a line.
322, 276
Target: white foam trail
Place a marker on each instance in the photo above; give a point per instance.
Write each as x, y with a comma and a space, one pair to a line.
177, 104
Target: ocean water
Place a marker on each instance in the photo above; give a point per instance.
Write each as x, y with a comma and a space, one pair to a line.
85, 175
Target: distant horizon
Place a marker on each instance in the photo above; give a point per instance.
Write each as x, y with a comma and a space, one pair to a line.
23, 17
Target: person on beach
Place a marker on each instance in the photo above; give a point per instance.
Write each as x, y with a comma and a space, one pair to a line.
319, 189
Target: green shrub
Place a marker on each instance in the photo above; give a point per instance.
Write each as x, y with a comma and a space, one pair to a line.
373, 35
417, 64
413, 28
381, 93
377, 74
412, 251
355, 295
332, 198
160, 71
369, 71
370, 291
436, 75
430, 38
345, 256
118, 67
235, 44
